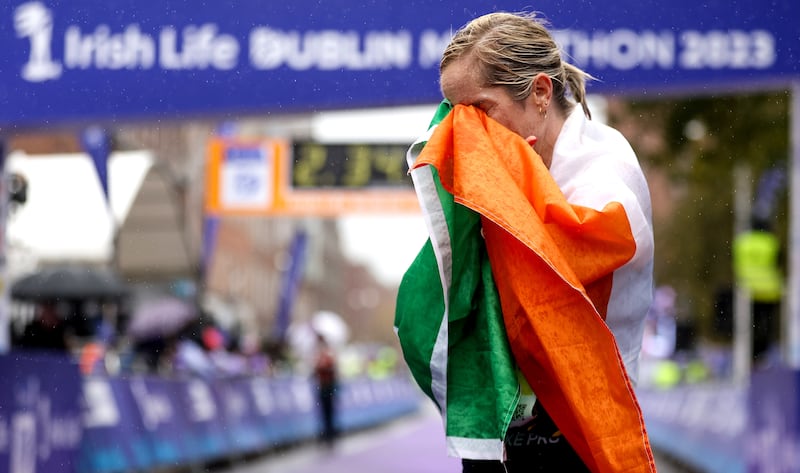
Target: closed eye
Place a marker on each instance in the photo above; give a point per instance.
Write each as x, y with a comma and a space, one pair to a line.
483, 105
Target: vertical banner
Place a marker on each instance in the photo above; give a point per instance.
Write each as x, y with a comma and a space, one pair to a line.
770, 186
290, 284
210, 231
97, 143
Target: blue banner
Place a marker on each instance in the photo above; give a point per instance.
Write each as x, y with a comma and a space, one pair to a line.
115, 437
727, 428
143, 423
91, 60
40, 418
703, 425
773, 438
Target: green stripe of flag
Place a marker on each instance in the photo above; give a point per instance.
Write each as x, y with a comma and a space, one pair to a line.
450, 325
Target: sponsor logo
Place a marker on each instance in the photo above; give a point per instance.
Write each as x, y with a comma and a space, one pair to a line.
34, 21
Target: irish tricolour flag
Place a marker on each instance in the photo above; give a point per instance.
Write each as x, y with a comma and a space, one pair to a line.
503, 285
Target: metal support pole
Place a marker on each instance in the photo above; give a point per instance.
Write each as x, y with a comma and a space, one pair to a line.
791, 312
742, 307
5, 305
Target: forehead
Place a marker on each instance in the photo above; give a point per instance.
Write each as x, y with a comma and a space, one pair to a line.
460, 81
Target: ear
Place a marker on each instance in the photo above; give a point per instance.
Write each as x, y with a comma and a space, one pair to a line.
542, 90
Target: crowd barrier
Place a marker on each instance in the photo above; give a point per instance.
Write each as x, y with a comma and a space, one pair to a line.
53, 420
725, 428
703, 425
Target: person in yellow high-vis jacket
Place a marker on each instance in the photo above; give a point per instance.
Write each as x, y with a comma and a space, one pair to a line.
756, 257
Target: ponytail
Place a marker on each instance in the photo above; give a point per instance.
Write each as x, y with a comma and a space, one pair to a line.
575, 81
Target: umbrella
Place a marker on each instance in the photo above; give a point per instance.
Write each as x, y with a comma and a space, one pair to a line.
159, 318
303, 336
331, 326
68, 282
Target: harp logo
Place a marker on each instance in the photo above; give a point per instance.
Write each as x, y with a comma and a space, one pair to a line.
34, 21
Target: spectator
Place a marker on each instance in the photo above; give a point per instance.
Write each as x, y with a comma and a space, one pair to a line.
325, 374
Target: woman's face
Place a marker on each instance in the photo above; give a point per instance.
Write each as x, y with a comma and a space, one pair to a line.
461, 84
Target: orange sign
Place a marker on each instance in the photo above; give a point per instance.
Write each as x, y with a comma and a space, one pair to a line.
254, 177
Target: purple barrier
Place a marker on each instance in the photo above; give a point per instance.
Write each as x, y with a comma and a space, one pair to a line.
705, 425
773, 438
364, 402
141, 423
725, 428
40, 417
131, 424
205, 437
287, 408
52, 420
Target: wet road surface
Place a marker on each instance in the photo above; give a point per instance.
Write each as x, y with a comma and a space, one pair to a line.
412, 444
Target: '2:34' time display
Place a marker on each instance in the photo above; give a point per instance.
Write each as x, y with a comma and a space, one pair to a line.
349, 166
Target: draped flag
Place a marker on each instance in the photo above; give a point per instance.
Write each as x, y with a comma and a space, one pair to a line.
538, 287
448, 305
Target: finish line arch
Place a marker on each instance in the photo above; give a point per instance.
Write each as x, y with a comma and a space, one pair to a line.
88, 61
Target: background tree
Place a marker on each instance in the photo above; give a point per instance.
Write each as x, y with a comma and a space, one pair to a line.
689, 149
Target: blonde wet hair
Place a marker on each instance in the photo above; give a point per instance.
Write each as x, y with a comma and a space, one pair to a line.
511, 49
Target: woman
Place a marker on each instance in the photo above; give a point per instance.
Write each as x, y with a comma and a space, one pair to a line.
509, 67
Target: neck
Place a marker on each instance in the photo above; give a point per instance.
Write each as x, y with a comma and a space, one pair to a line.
547, 141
